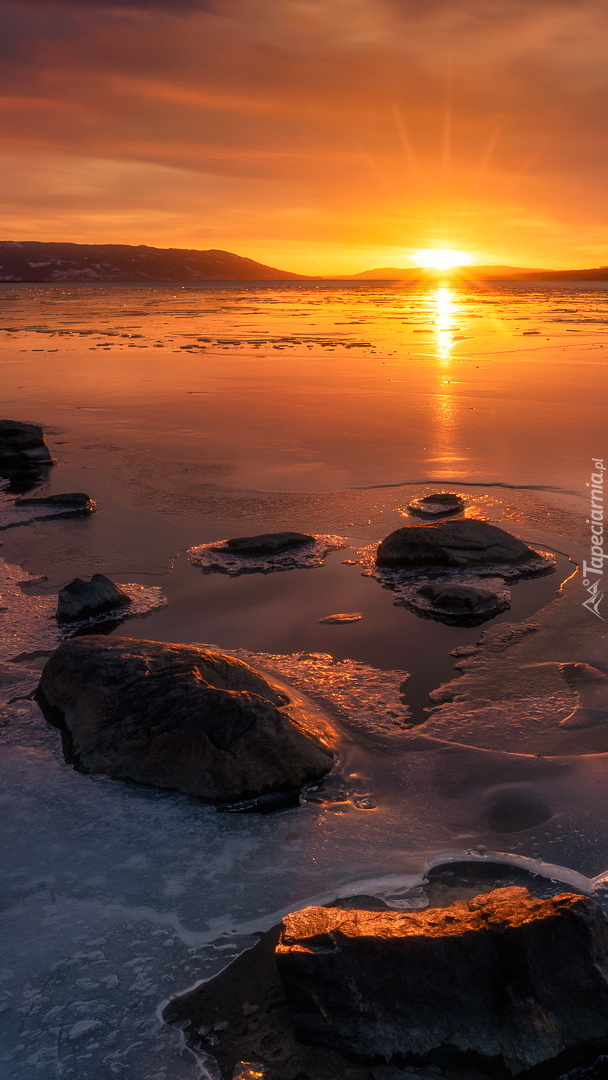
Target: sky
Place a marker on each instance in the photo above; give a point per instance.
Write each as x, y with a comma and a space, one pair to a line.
318, 136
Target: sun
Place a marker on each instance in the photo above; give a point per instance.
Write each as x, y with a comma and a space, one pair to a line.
441, 258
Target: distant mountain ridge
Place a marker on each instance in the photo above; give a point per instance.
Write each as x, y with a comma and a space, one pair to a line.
481, 273
37, 260
33, 260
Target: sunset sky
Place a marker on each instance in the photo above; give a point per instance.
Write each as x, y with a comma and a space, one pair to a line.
314, 135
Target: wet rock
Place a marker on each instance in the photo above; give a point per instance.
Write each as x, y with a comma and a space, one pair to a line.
452, 543
438, 504
73, 500
459, 605
178, 717
591, 685
22, 446
81, 600
503, 978
266, 543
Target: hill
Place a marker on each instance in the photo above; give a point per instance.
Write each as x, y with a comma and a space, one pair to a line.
480, 273
33, 260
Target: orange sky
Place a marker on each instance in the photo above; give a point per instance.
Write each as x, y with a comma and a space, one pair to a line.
314, 135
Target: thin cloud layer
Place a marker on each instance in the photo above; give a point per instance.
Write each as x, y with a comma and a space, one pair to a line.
353, 124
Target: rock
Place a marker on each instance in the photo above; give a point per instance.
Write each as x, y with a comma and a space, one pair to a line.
452, 543
504, 978
178, 717
84, 599
437, 504
591, 685
345, 617
22, 446
73, 500
266, 543
462, 605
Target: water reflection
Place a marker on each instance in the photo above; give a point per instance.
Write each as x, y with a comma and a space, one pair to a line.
445, 309
446, 450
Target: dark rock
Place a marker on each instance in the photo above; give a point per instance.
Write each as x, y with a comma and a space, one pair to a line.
459, 597
84, 599
504, 978
22, 446
267, 543
73, 500
463, 605
437, 504
178, 717
452, 543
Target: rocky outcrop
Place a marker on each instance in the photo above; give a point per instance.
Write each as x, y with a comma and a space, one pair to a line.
178, 717
463, 543
85, 599
22, 447
266, 543
504, 978
437, 504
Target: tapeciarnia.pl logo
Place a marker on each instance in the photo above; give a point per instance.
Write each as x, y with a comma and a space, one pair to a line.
593, 571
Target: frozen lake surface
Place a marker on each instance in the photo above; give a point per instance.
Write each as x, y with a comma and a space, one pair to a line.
196, 413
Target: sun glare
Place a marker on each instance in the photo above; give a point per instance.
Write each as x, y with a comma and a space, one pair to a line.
441, 258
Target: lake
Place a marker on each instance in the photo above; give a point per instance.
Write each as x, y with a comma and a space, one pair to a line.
199, 412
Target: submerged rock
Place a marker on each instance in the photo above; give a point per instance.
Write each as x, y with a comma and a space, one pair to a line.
461, 605
178, 717
504, 978
452, 543
22, 446
266, 543
83, 599
438, 504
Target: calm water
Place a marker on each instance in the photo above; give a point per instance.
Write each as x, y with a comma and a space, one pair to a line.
196, 413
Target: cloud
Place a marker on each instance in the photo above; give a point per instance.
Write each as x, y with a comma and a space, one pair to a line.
355, 111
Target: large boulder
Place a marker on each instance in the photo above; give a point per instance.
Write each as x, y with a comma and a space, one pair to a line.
460, 543
505, 979
22, 446
80, 599
178, 717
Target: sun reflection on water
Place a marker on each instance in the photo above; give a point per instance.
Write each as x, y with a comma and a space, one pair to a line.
444, 323
446, 452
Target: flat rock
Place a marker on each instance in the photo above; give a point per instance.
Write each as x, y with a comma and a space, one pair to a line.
178, 717
266, 543
437, 504
71, 500
22, 446
459, 543
504, 978
81, 600
342, 617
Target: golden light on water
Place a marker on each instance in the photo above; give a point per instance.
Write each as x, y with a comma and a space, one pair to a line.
444, 323
441, 258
